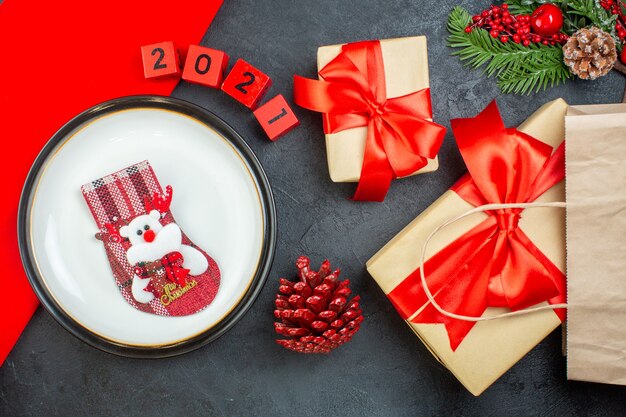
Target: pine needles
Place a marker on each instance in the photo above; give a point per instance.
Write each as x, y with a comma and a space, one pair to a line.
519, 69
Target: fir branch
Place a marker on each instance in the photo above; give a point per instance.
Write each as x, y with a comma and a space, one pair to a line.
533, 77
519, 69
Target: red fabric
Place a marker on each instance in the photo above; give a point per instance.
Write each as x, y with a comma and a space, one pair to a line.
494, 264
353, 94
58, 59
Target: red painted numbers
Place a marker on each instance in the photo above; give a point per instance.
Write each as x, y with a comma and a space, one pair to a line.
205, 66
246, 84
160, 60
276, 117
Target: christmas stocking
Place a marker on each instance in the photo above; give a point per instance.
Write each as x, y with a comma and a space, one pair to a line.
156, 267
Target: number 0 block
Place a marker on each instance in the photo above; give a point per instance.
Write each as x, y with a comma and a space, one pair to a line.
276, 117
205, 66
246, 84
160, 60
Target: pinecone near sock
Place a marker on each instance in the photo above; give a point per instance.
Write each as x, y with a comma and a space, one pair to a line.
315, 312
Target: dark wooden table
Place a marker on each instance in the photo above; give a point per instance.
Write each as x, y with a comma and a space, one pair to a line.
385, 370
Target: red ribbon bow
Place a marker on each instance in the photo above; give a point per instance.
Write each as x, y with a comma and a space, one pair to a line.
172, 265
400, 139
494, 264
174, 271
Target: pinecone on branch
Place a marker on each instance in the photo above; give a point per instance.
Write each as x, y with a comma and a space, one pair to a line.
590, 53
315, 312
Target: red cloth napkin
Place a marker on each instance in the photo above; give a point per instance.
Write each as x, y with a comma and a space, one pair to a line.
58, 58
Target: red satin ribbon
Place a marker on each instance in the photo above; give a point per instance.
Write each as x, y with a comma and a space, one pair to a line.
172, 265
174, 271
400, 139
494, 264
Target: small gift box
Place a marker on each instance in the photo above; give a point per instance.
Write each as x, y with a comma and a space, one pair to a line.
489, 262
377, 113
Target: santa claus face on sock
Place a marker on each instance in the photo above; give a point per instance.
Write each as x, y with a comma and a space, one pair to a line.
151, 241
142, 229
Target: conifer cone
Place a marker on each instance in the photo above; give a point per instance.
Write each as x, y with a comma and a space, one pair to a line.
590, 53
315, 312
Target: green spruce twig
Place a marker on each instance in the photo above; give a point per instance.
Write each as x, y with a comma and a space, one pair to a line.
528, 6
519, 69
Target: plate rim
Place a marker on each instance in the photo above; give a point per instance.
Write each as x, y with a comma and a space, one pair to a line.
268, 210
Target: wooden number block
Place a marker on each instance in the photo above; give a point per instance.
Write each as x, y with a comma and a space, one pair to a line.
205, 66
246, 84
160, 60
276, 117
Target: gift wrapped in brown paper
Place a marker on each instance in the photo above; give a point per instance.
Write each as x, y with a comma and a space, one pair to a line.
490, 262
375, 98
596, 221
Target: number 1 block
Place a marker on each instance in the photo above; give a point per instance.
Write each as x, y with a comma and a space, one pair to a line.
276, 117
246, 84
205, 66
160, 60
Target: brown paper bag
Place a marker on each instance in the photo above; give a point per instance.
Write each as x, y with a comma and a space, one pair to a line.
596, 243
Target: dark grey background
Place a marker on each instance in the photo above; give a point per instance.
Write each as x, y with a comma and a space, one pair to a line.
385, 370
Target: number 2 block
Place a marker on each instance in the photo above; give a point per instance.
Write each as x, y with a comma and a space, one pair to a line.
276, 117
246, 84
160, 60
205, 66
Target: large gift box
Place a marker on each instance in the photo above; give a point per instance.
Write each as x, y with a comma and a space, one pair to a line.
490, 262
377, 113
